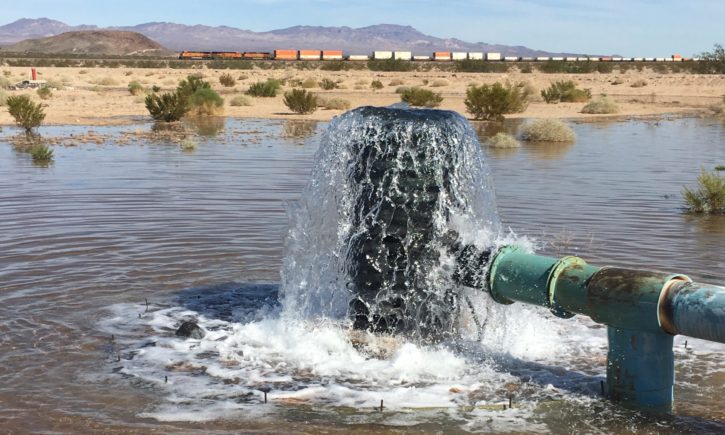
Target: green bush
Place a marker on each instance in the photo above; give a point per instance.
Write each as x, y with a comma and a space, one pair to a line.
556, 66
41, 154
26, 113
547, 130
481, 66
401, 89
491, 102
227, 80
135, 88
206, 101
327, 84
709, 196
264, 89
44, 93
503, 140
376, 85
390, 65
240, 100
565, 91
416, 96
602, 105
335, 65
167, 107
300, 101
190, 85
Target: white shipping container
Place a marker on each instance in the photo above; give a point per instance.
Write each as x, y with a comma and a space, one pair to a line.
331, 56
557, 58
383, 55
616, 59
527, 59
421, 57
542, 58
668, 59
593, 59
638, 59
659, 59
493, 56
649, 59
403, 55
570, 59
359, 57
476, 55
582, 59
511, 58
459, 55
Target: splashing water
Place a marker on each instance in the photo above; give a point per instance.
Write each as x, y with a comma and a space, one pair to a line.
375, 237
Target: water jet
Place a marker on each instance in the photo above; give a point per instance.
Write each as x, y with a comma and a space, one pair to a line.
408, 218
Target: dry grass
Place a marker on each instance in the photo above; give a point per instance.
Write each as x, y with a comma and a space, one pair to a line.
602, 106
639, 83
547, 130
503, 140
396, 82
240, 100
333, 103
439, 83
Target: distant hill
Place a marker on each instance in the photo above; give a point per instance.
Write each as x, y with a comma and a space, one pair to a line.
96, 42
353, 41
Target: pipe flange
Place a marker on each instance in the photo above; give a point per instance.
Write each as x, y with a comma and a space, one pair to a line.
492, 273
561, 265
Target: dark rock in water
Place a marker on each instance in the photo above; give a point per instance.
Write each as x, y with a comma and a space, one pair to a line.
190, 330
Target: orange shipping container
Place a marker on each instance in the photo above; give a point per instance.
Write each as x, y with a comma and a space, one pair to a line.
285, 54
331, 54
310, 54
442, 55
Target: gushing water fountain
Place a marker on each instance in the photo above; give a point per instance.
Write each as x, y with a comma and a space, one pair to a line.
399, 219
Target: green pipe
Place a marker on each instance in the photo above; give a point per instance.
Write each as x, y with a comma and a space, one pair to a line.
642, 309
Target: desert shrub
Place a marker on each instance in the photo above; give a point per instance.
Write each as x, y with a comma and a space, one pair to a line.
617, 81
135, 88
525, 68
416, 96
711, 62
56, 84
191, 84
602, 105
605, 67
396, 82
481, 66
439, 83
376, 85
547, 130
327, 84
565, 91
155, 88
503, 140
206, 101
44, 93
389, 65
333, 103
300, 101
491, 102
720, 168
401, 89
26, 113
41, 154
187, 144
7, 72
639, 83
106, 81
264, 89
309, 83
4, 83
167, 107
335, 65
709, 196
227, 80
240, 100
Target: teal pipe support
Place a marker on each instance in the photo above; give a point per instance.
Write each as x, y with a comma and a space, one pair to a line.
642, 309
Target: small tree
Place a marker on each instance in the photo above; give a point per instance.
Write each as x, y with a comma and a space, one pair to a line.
227, 80
300, 101
167, 107
491, 102
713, 62
26, 113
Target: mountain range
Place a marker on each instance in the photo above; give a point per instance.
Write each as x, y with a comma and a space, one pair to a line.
199, 37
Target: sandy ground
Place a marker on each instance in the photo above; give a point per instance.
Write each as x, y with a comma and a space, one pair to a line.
99, 96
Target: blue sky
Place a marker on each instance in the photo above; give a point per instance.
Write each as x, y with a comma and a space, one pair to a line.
626, 27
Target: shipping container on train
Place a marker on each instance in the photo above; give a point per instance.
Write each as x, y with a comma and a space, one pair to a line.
493, 56
476, 55
421, 58
332, 55
310, 54
459, 55
442, 55
511, 58
382, 55
358, 57
285, 54
402, 55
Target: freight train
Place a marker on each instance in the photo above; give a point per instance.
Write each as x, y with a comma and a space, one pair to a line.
438, 56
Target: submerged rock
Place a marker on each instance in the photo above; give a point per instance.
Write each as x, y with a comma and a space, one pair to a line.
190, 330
